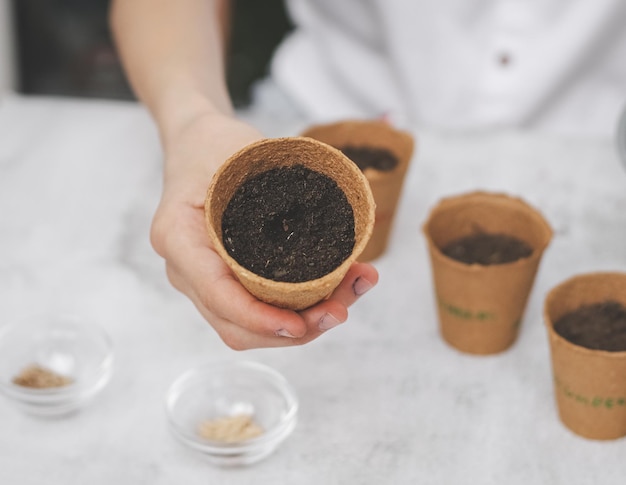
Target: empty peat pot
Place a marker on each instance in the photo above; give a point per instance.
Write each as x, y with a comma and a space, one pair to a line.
589, 384
268, 154
386, 178
480, 307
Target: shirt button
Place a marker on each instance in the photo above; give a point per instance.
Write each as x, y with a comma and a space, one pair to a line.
504, 59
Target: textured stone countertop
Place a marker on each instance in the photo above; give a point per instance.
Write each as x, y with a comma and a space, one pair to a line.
383, 400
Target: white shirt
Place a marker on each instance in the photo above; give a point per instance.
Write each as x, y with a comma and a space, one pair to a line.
557, 65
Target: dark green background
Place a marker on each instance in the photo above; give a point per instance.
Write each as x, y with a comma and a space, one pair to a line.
65, 48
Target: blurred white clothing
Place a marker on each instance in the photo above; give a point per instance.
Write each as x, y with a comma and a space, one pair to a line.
552, 65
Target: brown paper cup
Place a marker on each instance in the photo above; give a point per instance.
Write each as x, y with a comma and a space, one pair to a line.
386, 186
481, 307
589, 385
271, 153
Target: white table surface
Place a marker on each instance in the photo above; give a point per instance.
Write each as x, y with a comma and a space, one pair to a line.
383, 399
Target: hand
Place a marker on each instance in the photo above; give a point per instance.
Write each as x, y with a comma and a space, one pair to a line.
179, 234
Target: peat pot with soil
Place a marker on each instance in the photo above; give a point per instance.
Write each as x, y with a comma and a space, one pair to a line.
289, 216
585, 318
485, 249
383, 153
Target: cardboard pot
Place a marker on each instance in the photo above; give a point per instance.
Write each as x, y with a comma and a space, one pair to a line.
589, 385
272, 153
386, 185
480, 308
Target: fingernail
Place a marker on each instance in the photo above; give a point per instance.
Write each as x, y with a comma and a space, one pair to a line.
361, 286
327, 322
284, 333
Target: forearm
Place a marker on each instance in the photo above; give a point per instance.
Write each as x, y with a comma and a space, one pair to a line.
173, 54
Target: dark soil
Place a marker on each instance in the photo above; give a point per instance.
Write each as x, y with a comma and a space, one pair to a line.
487, 249
289, 224
371, 157
601, 326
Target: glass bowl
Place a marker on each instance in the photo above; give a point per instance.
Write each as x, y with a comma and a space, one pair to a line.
228, 390
65, 345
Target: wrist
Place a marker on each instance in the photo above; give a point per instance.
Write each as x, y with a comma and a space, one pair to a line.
198, 146
177, 111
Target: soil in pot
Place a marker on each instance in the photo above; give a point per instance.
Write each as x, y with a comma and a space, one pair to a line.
289, 224
365, 157
600, 326
487, 249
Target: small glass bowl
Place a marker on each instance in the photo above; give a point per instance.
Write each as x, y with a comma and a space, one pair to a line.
227, 389
65, 345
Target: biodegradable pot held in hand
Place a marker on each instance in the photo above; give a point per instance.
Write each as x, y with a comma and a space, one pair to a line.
266, 156
480, 307
589, 383
383, 153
